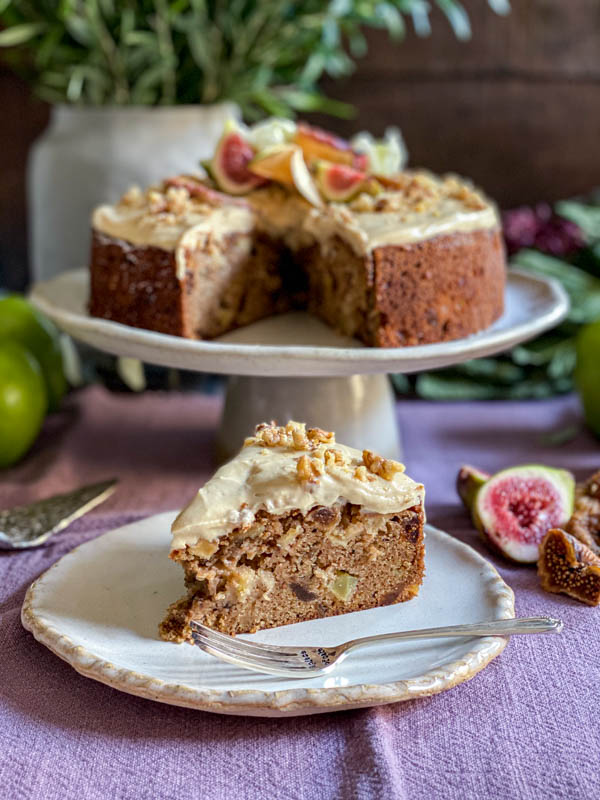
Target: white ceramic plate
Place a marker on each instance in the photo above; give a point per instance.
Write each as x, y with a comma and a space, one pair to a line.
297, 344
99, 606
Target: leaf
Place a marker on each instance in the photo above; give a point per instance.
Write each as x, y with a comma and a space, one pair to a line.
391, 19
20, 34
501, 7
420, 18
313, 101
244, 50
457, 17
561, 436
401, 383
437, 386
583, 288
586, 217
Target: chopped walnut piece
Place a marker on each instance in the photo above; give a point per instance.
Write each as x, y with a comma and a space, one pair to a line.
157, 202
386, 468
567, 566
133, 197
319, 436
178, 199
309, 469
334, 458
411, 193
360, 473
293, 435
269, 434
297, 430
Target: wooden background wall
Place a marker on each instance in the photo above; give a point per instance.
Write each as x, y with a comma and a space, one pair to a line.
517, 108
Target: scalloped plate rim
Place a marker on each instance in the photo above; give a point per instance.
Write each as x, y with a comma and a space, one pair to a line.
281, 703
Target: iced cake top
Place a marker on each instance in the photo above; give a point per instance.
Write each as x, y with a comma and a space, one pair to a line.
301, 185
292, 467
173, 212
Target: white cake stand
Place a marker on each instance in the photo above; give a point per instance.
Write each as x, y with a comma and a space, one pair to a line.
295, 367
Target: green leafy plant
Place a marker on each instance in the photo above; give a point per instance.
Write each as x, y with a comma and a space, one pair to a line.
267, 55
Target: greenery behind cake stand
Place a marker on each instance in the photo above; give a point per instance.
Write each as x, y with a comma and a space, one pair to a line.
265, 55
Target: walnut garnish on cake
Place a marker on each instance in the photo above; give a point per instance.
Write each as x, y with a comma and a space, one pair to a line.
297, 526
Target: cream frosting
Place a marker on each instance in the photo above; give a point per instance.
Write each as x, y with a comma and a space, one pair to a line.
366, 231
171, 220
422, 207
266, 478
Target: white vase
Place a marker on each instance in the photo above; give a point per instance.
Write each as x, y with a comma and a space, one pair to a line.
88, 156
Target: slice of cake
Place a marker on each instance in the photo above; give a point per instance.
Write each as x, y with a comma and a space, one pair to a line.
392, 257
296, 527
183, 259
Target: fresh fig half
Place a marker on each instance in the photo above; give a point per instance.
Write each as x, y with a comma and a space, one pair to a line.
515, 507
320, 145
229, 165
339, 182
468, 482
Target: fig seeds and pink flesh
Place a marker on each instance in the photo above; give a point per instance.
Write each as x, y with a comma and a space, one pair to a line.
230, 165
516, 507
339, 181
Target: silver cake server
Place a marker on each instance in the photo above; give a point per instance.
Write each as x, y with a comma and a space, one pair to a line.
32, 525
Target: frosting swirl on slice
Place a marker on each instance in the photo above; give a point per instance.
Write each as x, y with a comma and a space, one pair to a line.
286, 468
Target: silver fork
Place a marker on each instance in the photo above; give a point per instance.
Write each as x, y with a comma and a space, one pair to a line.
305, 662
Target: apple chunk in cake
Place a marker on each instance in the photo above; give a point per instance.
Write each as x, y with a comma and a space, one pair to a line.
296, 527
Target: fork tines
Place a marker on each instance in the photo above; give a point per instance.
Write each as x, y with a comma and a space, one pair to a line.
261, 656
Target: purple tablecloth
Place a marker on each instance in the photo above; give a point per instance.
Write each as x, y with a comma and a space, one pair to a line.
526, 727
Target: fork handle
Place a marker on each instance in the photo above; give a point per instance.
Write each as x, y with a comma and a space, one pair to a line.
499, 627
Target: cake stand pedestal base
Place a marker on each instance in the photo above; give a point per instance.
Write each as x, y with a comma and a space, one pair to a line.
359, 408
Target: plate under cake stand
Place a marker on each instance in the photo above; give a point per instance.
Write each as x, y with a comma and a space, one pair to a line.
98, 608
295, 367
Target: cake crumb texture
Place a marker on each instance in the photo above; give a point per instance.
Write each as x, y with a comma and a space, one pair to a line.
285, 569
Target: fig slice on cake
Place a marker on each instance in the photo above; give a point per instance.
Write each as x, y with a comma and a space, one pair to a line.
514, 508
229, 165
320, 145
339, 182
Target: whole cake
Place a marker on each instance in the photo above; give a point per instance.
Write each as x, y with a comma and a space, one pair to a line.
296, 527
291, 217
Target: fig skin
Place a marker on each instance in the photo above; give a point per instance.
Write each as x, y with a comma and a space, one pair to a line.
468, 482
510, 544
232, 144
339, 182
